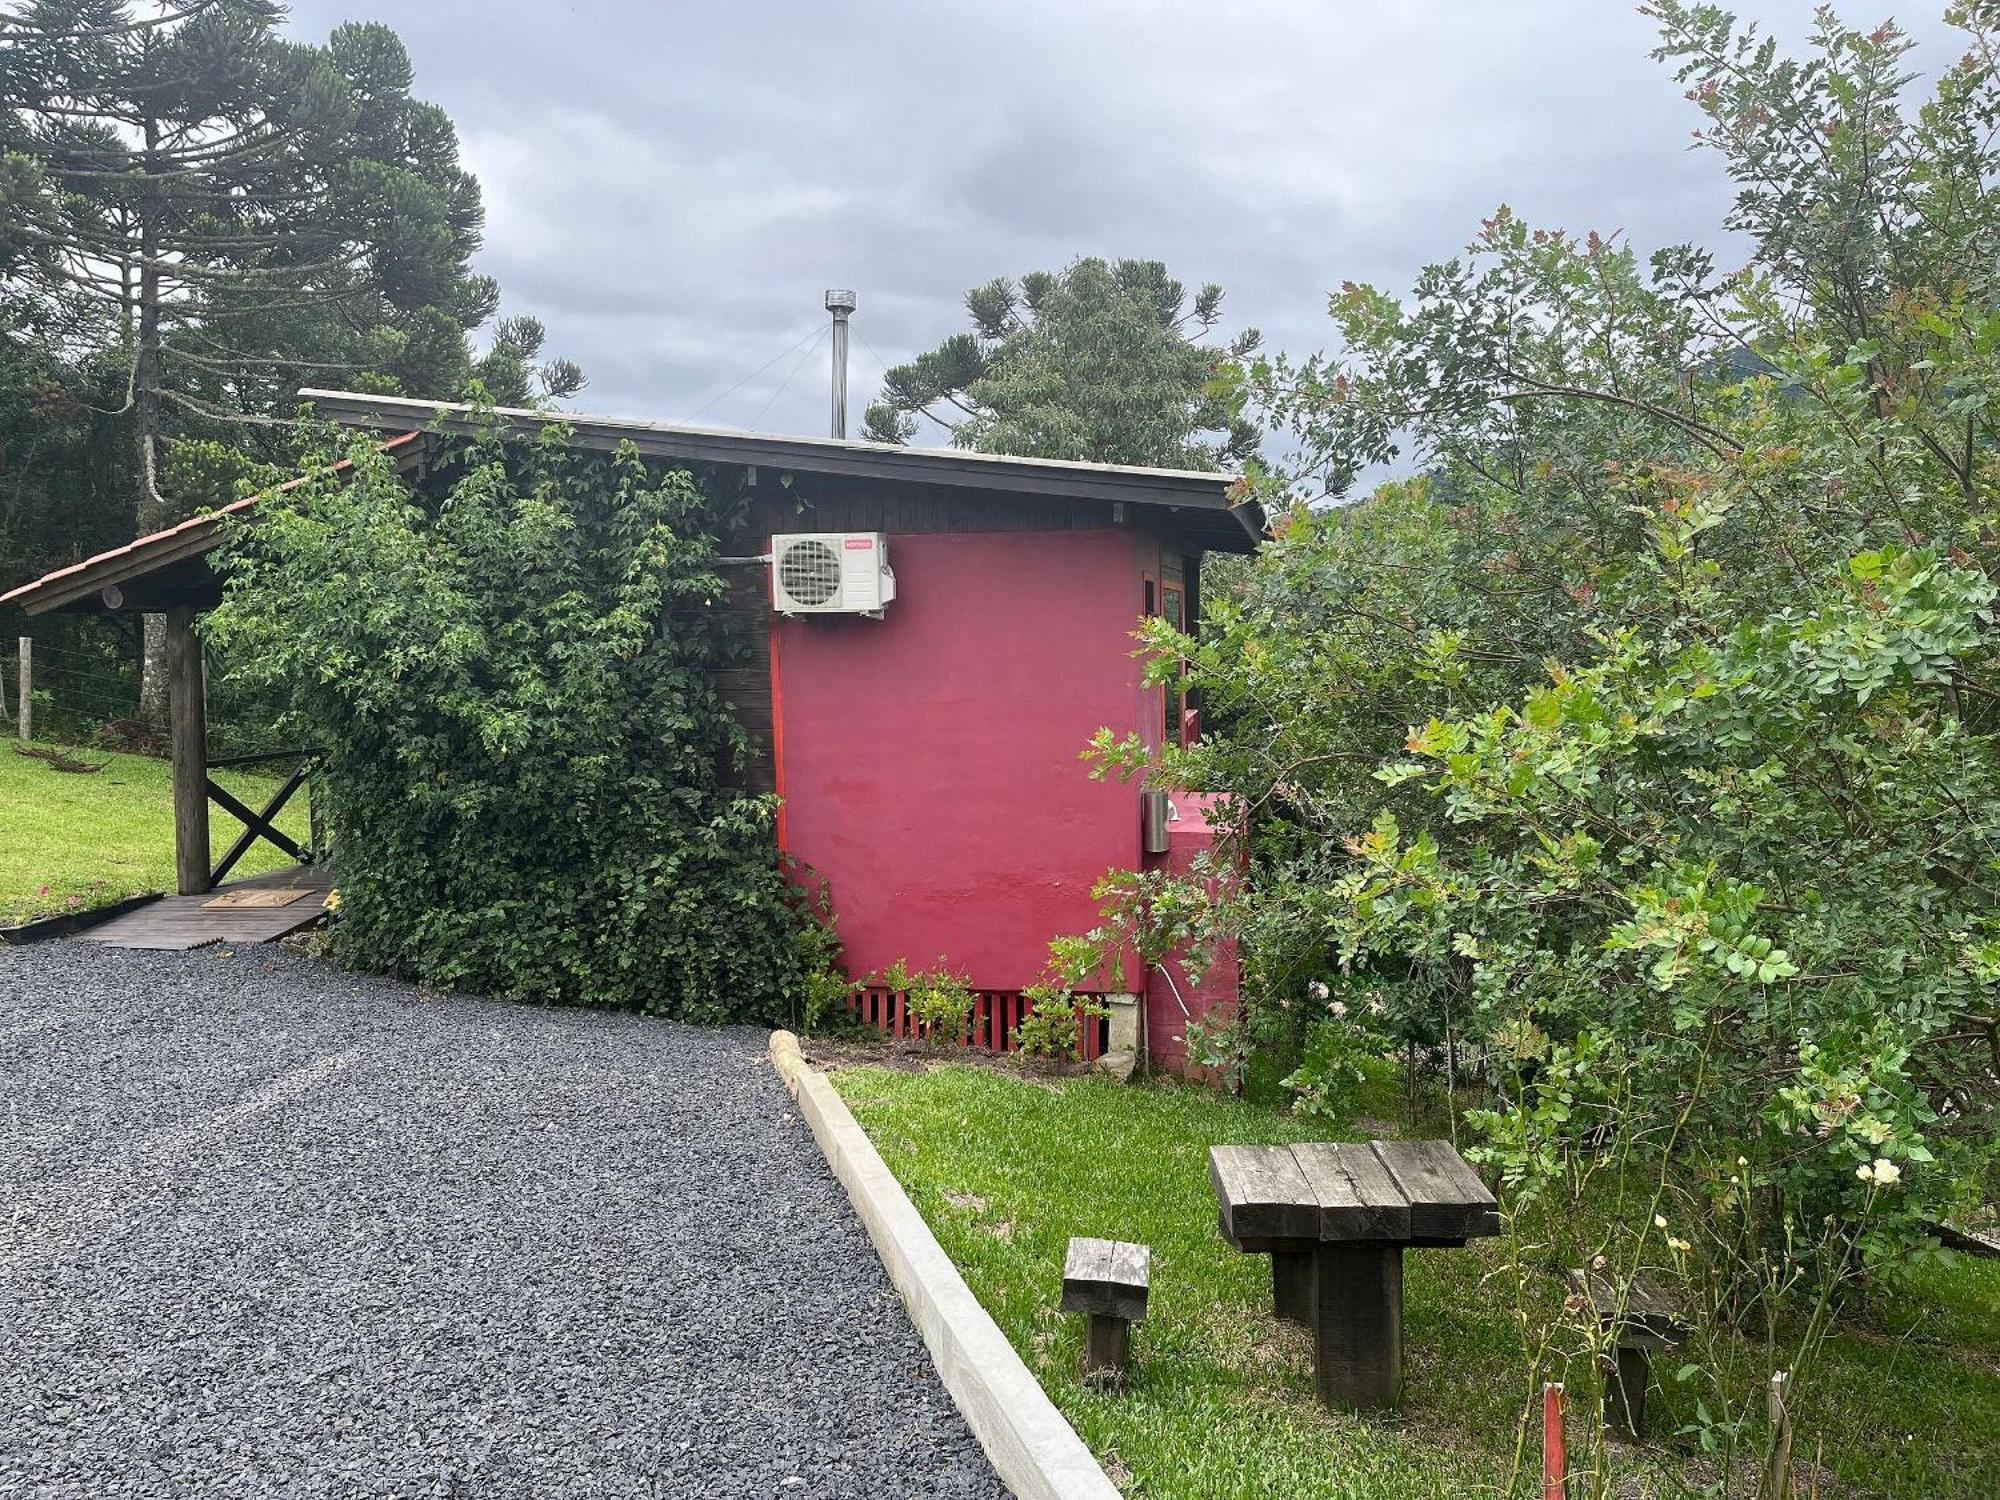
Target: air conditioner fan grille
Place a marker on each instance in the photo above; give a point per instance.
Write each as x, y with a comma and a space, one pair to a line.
810, 572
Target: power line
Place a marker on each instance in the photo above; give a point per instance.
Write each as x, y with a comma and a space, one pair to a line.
817, 326
825, 331
880, 363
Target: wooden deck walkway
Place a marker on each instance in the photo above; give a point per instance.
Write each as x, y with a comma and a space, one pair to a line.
242, 911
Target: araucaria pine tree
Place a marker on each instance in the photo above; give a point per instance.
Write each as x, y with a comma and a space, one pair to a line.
1105, 361
236, 214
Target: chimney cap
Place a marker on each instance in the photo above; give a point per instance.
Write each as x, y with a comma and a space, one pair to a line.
839, 299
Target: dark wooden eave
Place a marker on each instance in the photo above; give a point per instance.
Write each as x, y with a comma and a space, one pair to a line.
1199, 506
166, 568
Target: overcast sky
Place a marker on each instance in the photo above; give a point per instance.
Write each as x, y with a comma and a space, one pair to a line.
671, 187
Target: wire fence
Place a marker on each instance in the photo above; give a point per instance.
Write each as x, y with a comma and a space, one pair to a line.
93, 694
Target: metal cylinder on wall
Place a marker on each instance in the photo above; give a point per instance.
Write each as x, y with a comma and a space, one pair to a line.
1155, 813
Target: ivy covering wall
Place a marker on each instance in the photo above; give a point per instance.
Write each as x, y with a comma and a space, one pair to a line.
529, 774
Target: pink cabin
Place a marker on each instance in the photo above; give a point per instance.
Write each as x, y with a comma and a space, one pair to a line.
942, 634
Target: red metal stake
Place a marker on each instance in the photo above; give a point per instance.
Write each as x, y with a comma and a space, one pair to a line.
1555, 1456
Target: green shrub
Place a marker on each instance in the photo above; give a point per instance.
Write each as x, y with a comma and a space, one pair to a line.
1053, 1026
823, 1003
1644, 747
1339, 1045
527, 766
937, 1000
1656, 721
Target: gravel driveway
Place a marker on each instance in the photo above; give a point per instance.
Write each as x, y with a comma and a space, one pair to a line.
271, 1229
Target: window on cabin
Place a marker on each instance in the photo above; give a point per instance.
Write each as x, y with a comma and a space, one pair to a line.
1173, 611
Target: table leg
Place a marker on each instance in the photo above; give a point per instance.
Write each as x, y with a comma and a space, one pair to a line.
1292, 1285
1358, 1324
1625, 1391
1106, 1343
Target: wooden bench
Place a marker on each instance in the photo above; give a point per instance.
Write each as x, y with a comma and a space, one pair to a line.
1638, 1322
1108, 1281
1335, 1220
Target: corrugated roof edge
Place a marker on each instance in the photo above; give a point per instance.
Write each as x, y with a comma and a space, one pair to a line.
1180, 489
409, 408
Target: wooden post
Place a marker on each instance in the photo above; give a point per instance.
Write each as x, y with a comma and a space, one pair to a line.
1109, 1281
315, 820
1358, 1323
1628, 1371
1292, 1285
188, 712
1555, 1445
26, 697
1107, 1343
1778, 1480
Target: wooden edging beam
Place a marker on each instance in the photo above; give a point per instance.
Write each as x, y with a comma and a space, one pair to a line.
1036, 1453
67, 923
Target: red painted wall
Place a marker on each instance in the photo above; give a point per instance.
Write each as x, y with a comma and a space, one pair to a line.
1175, 993
929, 761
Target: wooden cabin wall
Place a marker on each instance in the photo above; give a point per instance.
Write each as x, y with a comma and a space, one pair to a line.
824, 502
827, 502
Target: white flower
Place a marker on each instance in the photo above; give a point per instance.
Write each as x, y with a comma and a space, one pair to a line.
1679, 1247
1887, 1172
1865, 1172
1317, 989
1376, 1007
1659, 1221
1339, 1008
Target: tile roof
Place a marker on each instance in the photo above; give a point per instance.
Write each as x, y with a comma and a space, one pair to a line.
143, 555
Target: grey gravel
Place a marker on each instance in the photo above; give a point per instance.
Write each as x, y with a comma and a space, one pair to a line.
267, 1228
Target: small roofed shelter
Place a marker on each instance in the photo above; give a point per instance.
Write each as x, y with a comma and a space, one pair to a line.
933, 637
168, 573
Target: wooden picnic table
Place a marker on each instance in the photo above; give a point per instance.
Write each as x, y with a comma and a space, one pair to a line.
1335, 1220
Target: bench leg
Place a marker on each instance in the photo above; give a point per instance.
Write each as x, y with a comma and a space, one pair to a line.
1358, 1324
1292, 1285
1106, 1343
1630, 1371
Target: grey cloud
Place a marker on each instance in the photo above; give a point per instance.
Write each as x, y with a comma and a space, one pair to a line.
671, 186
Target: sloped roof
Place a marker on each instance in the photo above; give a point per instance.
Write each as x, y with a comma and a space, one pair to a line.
1204, 503
147, 556
1201, 504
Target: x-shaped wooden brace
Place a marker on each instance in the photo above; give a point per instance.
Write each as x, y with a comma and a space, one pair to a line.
259, 825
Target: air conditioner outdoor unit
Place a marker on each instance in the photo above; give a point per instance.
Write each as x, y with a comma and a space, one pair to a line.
831, 573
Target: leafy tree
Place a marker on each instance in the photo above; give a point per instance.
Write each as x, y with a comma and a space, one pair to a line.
528, 771
1643, 751
1106, 361
237, 215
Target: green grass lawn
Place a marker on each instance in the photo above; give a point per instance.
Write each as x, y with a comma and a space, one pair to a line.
1006, 1169
91, 839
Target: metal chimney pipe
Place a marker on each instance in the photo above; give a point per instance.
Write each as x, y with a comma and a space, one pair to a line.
840, 303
